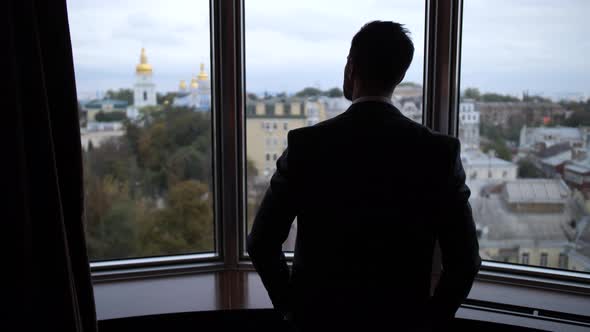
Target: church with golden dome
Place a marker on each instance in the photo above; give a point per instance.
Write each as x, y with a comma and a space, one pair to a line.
144, 89
197, 95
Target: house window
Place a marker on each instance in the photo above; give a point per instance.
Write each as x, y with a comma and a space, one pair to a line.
145, 95
563, 261
543, 260
525, 258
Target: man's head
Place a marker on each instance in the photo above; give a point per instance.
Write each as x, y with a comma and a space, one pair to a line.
380, 54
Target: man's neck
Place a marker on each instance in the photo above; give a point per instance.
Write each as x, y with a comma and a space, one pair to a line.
361, 94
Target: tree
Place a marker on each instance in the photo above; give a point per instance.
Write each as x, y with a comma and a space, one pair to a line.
185, 224
496, 97
579, 118
113, 116
500, 149
121, 94
334, 92
166, 99
410, 84
252, 96
472, 93
526, 169
309, 92
151, 185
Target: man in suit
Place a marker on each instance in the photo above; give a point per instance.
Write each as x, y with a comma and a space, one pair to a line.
372, 192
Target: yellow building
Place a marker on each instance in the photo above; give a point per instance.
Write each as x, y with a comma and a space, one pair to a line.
267, 125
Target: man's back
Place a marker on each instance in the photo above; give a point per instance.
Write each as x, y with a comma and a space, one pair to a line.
371, 191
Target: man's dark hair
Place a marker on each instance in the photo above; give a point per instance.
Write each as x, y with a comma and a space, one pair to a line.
381, 53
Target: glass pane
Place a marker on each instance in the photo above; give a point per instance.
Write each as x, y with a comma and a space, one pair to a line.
295, 57
145, 121
523, 126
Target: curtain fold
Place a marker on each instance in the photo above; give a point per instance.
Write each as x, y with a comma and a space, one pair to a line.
49, 283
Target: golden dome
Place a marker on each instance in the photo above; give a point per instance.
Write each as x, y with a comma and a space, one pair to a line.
194, 83
182, 85
143, 67
203, 75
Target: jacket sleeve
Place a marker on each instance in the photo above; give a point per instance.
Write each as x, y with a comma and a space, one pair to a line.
270, 229
458, 243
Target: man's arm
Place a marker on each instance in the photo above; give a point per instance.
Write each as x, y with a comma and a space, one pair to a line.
269, 231
458, 243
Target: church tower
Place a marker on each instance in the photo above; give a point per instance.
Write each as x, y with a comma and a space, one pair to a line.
204, 89
144, 93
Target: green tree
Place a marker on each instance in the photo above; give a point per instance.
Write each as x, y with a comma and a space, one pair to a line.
309, 92
578, 118
334, 92
121, 94
472, 93
166, 99
184, 225
110, 116
496, 97
526, 169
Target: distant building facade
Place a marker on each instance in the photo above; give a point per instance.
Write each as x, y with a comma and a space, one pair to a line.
269, 121
504, 113
93, 107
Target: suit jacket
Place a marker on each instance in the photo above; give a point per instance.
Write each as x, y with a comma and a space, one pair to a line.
372, 191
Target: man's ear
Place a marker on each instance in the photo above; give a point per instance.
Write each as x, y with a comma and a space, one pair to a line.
351, 71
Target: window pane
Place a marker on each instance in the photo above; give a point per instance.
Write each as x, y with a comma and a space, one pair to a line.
145, 121
523, 126
295, 57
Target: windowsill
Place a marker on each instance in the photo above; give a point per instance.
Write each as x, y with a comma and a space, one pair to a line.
155, 266
531, 276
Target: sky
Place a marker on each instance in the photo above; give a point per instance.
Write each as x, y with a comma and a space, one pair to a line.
508, 46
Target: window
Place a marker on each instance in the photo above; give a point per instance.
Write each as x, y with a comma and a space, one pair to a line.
525, 258
528, 93
543, 260
147, 156
300, 75
563, 261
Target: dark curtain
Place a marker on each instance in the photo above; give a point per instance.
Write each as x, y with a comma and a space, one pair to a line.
48, 286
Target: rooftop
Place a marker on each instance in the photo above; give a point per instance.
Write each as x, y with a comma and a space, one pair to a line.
558, 159
536, 191
479, 158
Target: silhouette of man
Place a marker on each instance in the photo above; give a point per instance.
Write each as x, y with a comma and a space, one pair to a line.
372, 191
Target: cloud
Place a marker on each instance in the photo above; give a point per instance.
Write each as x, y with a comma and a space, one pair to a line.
508, 46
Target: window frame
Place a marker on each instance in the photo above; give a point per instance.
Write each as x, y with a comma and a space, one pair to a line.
441, 84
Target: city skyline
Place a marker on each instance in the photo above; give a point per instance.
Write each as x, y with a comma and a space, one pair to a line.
545, 56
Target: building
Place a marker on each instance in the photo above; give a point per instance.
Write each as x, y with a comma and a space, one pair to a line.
526, 221
335, 105
536, 195
577, 175
468, 125
409, 106
144, 90
96, 106
485, 166
269, 121
197, 95
505, 113
538, 139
